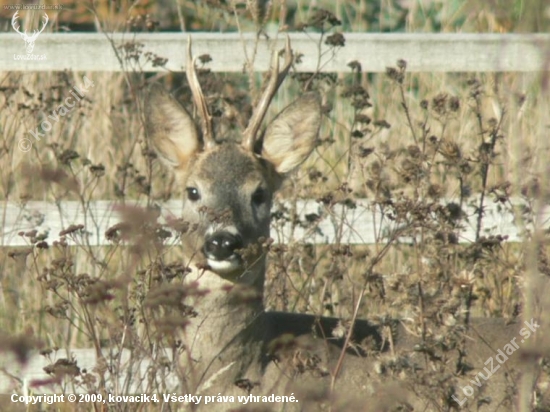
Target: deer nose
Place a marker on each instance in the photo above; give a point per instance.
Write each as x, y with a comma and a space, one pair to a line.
222, 245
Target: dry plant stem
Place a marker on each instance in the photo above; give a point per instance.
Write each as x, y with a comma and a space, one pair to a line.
422, 311
486, 159
349, 333
180, 16
85, 208
348, 338
407, 112
528, 378
486, 164
249, 62
137, 101
319, 45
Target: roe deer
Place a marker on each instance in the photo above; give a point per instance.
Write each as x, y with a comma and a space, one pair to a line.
230, 341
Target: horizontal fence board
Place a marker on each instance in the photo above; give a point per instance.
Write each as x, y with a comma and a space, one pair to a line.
17, 377
424, 52
360, 225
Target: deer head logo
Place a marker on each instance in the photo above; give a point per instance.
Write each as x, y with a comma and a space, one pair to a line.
29, 39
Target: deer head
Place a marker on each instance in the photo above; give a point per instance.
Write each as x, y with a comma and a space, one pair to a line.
235, 181
29, 40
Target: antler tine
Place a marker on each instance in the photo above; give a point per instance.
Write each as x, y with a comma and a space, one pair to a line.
46, 20
14, 21
36, 33
277, 77
199, 100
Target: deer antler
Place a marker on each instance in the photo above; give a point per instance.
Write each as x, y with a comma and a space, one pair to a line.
25, 35
277, 77
35, 34
199, 100
13, 23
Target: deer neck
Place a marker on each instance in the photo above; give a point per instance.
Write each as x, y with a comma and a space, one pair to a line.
227, 318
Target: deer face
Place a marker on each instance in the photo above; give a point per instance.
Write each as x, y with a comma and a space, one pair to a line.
228, 195
229, 187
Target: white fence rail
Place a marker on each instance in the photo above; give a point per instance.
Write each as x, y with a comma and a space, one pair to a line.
361, 225
440, 52
18, 377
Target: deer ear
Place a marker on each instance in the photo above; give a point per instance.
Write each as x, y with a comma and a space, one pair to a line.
171, 129
290, 137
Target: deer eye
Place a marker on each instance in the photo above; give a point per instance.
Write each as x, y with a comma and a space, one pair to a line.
193, 194
259, 196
